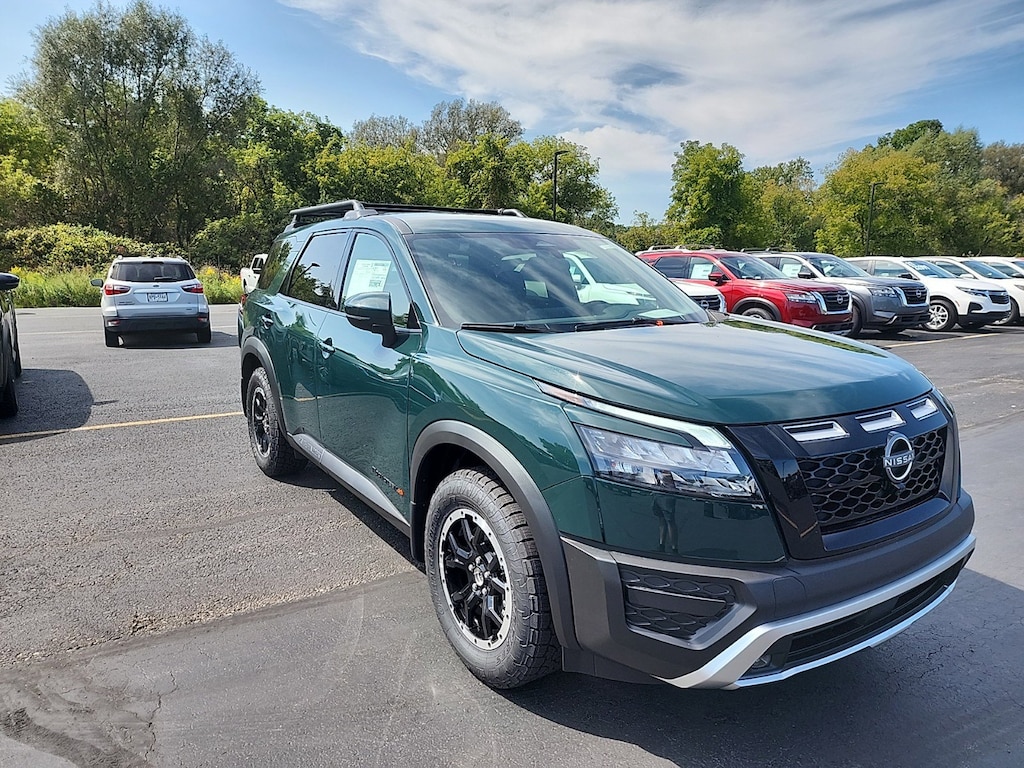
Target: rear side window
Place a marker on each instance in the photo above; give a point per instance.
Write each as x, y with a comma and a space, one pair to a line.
316, 276
278, 257
673, 266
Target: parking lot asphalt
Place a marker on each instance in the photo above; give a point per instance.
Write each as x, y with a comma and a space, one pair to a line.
163, 603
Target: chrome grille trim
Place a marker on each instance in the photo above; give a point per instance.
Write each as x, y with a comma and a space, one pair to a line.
876, 422
821, 430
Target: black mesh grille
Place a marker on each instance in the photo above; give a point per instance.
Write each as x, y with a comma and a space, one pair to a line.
835, 301
849, 489
709, 302
917, 294
999, 297
664, 620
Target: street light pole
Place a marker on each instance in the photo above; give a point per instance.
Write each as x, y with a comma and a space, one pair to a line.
554, 185
871, 211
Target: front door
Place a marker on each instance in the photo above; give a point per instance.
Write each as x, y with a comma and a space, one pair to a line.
363, 386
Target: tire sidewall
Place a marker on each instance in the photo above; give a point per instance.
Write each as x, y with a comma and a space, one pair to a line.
457, 492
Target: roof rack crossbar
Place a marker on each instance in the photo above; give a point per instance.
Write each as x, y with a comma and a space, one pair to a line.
356, 209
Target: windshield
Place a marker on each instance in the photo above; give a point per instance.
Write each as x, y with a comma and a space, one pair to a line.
985, 270
1007, 269
928, 269
542, 282
833, 266
751, 268
957, 269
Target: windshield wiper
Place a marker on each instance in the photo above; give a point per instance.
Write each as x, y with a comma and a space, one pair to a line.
600, 325
507, 327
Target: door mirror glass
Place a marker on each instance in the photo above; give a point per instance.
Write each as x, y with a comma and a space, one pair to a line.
372, 312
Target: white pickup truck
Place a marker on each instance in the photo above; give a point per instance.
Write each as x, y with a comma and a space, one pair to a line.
251, 274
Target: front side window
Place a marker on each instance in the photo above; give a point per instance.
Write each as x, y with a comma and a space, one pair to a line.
372, 269
315, 276
549, 282
751, 268
833, 266
789, 266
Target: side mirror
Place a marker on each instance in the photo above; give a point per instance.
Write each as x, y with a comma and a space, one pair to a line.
907, 276
372, 312
96, 282
718, 278
8, 282
805, 274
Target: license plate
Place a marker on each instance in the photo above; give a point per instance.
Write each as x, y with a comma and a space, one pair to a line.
157, 297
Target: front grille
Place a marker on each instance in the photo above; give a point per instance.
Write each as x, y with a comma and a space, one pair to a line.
916, 294
850, 489
835, 301
709, 303
672, 605
999, 297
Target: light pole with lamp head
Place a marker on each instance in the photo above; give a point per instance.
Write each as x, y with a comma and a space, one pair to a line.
554, 185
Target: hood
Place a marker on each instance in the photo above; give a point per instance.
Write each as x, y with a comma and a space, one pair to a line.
734, 371
867, 282
804, 286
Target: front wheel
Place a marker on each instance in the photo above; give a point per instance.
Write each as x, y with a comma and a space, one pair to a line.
1013, 318
858, 322
267, 438
486, 581
759, 312
941, 315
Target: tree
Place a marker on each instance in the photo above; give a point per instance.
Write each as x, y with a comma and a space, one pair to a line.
26, 157
779, 211
379, 175
144, 113
452, 123
490, 172
395, 131
904, 137
707, 193
1004, 163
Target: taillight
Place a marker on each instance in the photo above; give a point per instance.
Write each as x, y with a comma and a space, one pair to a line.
193, 288
241, 301
111, 289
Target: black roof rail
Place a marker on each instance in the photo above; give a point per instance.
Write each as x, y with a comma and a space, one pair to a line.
770, 249
354, 209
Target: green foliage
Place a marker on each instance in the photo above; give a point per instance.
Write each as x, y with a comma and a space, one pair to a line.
142, 111
645, 233
230, 243
378, 174
905, 137
64, 247
708, 197
64, 289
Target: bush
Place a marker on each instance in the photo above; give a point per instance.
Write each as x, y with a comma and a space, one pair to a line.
67, 247
220, 286
66, 289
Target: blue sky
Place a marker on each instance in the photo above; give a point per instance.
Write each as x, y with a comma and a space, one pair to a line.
627, 79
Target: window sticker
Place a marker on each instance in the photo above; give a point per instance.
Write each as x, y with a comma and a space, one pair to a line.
368, 275
701, 271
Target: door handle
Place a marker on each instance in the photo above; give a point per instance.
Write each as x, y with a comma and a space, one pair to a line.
326, 347
267, 321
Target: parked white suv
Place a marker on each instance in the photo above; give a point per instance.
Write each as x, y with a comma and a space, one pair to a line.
972, 269
152, 294
952, 300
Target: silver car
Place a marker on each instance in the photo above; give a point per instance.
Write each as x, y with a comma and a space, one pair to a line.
152, 294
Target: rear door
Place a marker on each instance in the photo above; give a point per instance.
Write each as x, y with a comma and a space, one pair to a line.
288, 321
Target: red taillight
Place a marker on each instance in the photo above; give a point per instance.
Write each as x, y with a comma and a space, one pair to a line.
110, 289
194, 288
243, 299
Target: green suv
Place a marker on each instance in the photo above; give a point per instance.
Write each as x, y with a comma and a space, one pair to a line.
624, 486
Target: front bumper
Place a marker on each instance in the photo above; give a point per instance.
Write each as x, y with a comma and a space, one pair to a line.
905, 319
703, 626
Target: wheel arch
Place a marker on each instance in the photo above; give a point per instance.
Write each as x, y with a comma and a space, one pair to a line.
745, 304
446, 446
254, 354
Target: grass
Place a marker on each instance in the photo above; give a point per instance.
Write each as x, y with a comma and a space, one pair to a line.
72, 289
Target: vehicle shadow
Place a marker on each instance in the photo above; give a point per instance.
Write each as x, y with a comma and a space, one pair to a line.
923, 698
176, 341
49, 401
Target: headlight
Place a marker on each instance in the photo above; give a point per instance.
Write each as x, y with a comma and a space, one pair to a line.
975, 291
883, 290
802, 298
709, 466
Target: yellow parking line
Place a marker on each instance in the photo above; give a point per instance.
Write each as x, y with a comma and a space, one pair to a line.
95, 427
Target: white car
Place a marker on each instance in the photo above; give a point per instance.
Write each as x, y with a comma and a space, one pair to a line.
978, 270
251, 274
142, 295
1009, 267
587, 277
952, 300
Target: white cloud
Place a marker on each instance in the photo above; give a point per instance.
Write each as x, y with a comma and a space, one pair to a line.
633, 78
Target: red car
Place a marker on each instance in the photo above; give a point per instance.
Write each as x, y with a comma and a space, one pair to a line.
754, 288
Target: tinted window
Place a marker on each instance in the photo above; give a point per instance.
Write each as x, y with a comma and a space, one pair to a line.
315, 276
154, 271
372, 269
673, 266
277, 257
